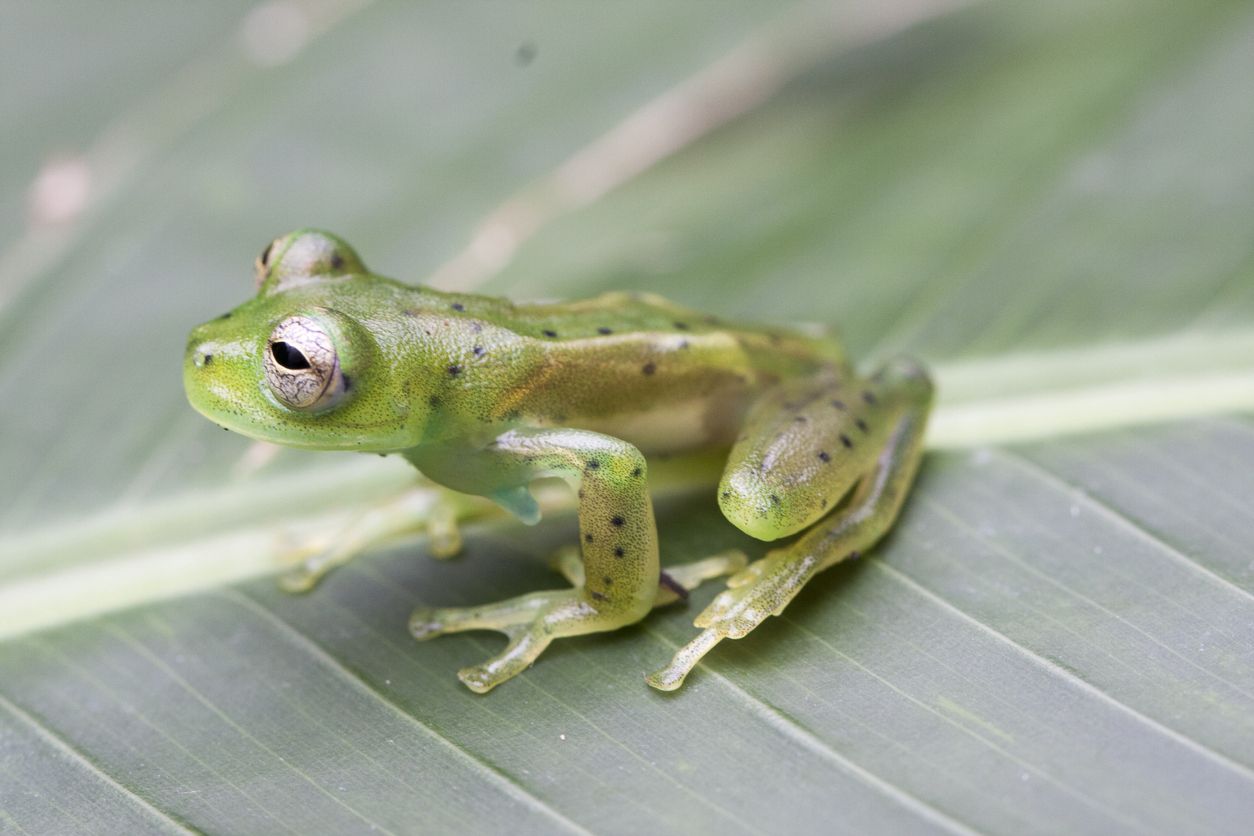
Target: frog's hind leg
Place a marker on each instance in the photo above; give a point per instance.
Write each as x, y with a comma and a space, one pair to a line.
618, 538
772, 490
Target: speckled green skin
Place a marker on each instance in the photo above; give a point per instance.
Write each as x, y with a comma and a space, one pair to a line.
484, 396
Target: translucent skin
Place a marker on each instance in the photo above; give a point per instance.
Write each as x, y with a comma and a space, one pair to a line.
484, 396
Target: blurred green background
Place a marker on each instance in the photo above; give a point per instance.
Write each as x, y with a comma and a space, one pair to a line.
1046, 202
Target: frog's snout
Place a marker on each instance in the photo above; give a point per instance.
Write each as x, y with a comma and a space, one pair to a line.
211, 369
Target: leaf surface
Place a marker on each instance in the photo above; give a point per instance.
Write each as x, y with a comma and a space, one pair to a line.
1050, 203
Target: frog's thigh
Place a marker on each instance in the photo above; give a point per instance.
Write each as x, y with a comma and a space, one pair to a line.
617, 534
804, 445
899, 399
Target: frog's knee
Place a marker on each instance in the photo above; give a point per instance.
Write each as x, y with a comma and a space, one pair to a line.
757, 506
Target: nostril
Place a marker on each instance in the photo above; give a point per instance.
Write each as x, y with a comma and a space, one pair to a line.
201, 358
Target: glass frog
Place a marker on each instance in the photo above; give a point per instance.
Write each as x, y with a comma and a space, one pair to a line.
485, 396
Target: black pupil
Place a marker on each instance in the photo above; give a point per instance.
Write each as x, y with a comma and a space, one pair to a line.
287, 356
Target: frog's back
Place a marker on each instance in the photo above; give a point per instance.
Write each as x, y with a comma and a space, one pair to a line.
650, 320
650, 371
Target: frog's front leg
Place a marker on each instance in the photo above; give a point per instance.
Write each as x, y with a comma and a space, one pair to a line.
674, 582
430, 509
616, 530
805, 445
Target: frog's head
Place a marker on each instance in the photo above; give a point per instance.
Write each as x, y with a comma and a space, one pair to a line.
301, 363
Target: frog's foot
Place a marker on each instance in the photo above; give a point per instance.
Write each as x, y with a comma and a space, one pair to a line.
444, 535
674, 582
677, 581
760, 590
414, 511
306, 575
530, 622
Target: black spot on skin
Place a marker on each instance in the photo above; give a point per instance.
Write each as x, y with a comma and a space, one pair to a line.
476, 327
617, 522
593, 464
649, 368
549, 333
337, 261
478, 351
618, 551
383, 455
513, 415
635, 474
682, 326
607, 580
824, 456
823, 502
726, 494
581, 493
869, 398
839, 404
454, 370
226, 315
605, 331
861, 425
774, 499
433, 401
845, 440
587, 538
458, 306
597, 596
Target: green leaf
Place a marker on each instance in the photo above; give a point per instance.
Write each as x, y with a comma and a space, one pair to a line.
1050, 203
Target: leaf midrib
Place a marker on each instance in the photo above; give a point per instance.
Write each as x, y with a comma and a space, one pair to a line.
1119, 386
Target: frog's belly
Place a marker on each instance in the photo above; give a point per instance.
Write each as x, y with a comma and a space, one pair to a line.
675, 427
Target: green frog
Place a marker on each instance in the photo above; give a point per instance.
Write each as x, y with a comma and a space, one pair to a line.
485, 396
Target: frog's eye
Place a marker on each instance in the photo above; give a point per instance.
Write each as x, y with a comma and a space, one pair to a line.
304, 256
261, 267
302, 367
